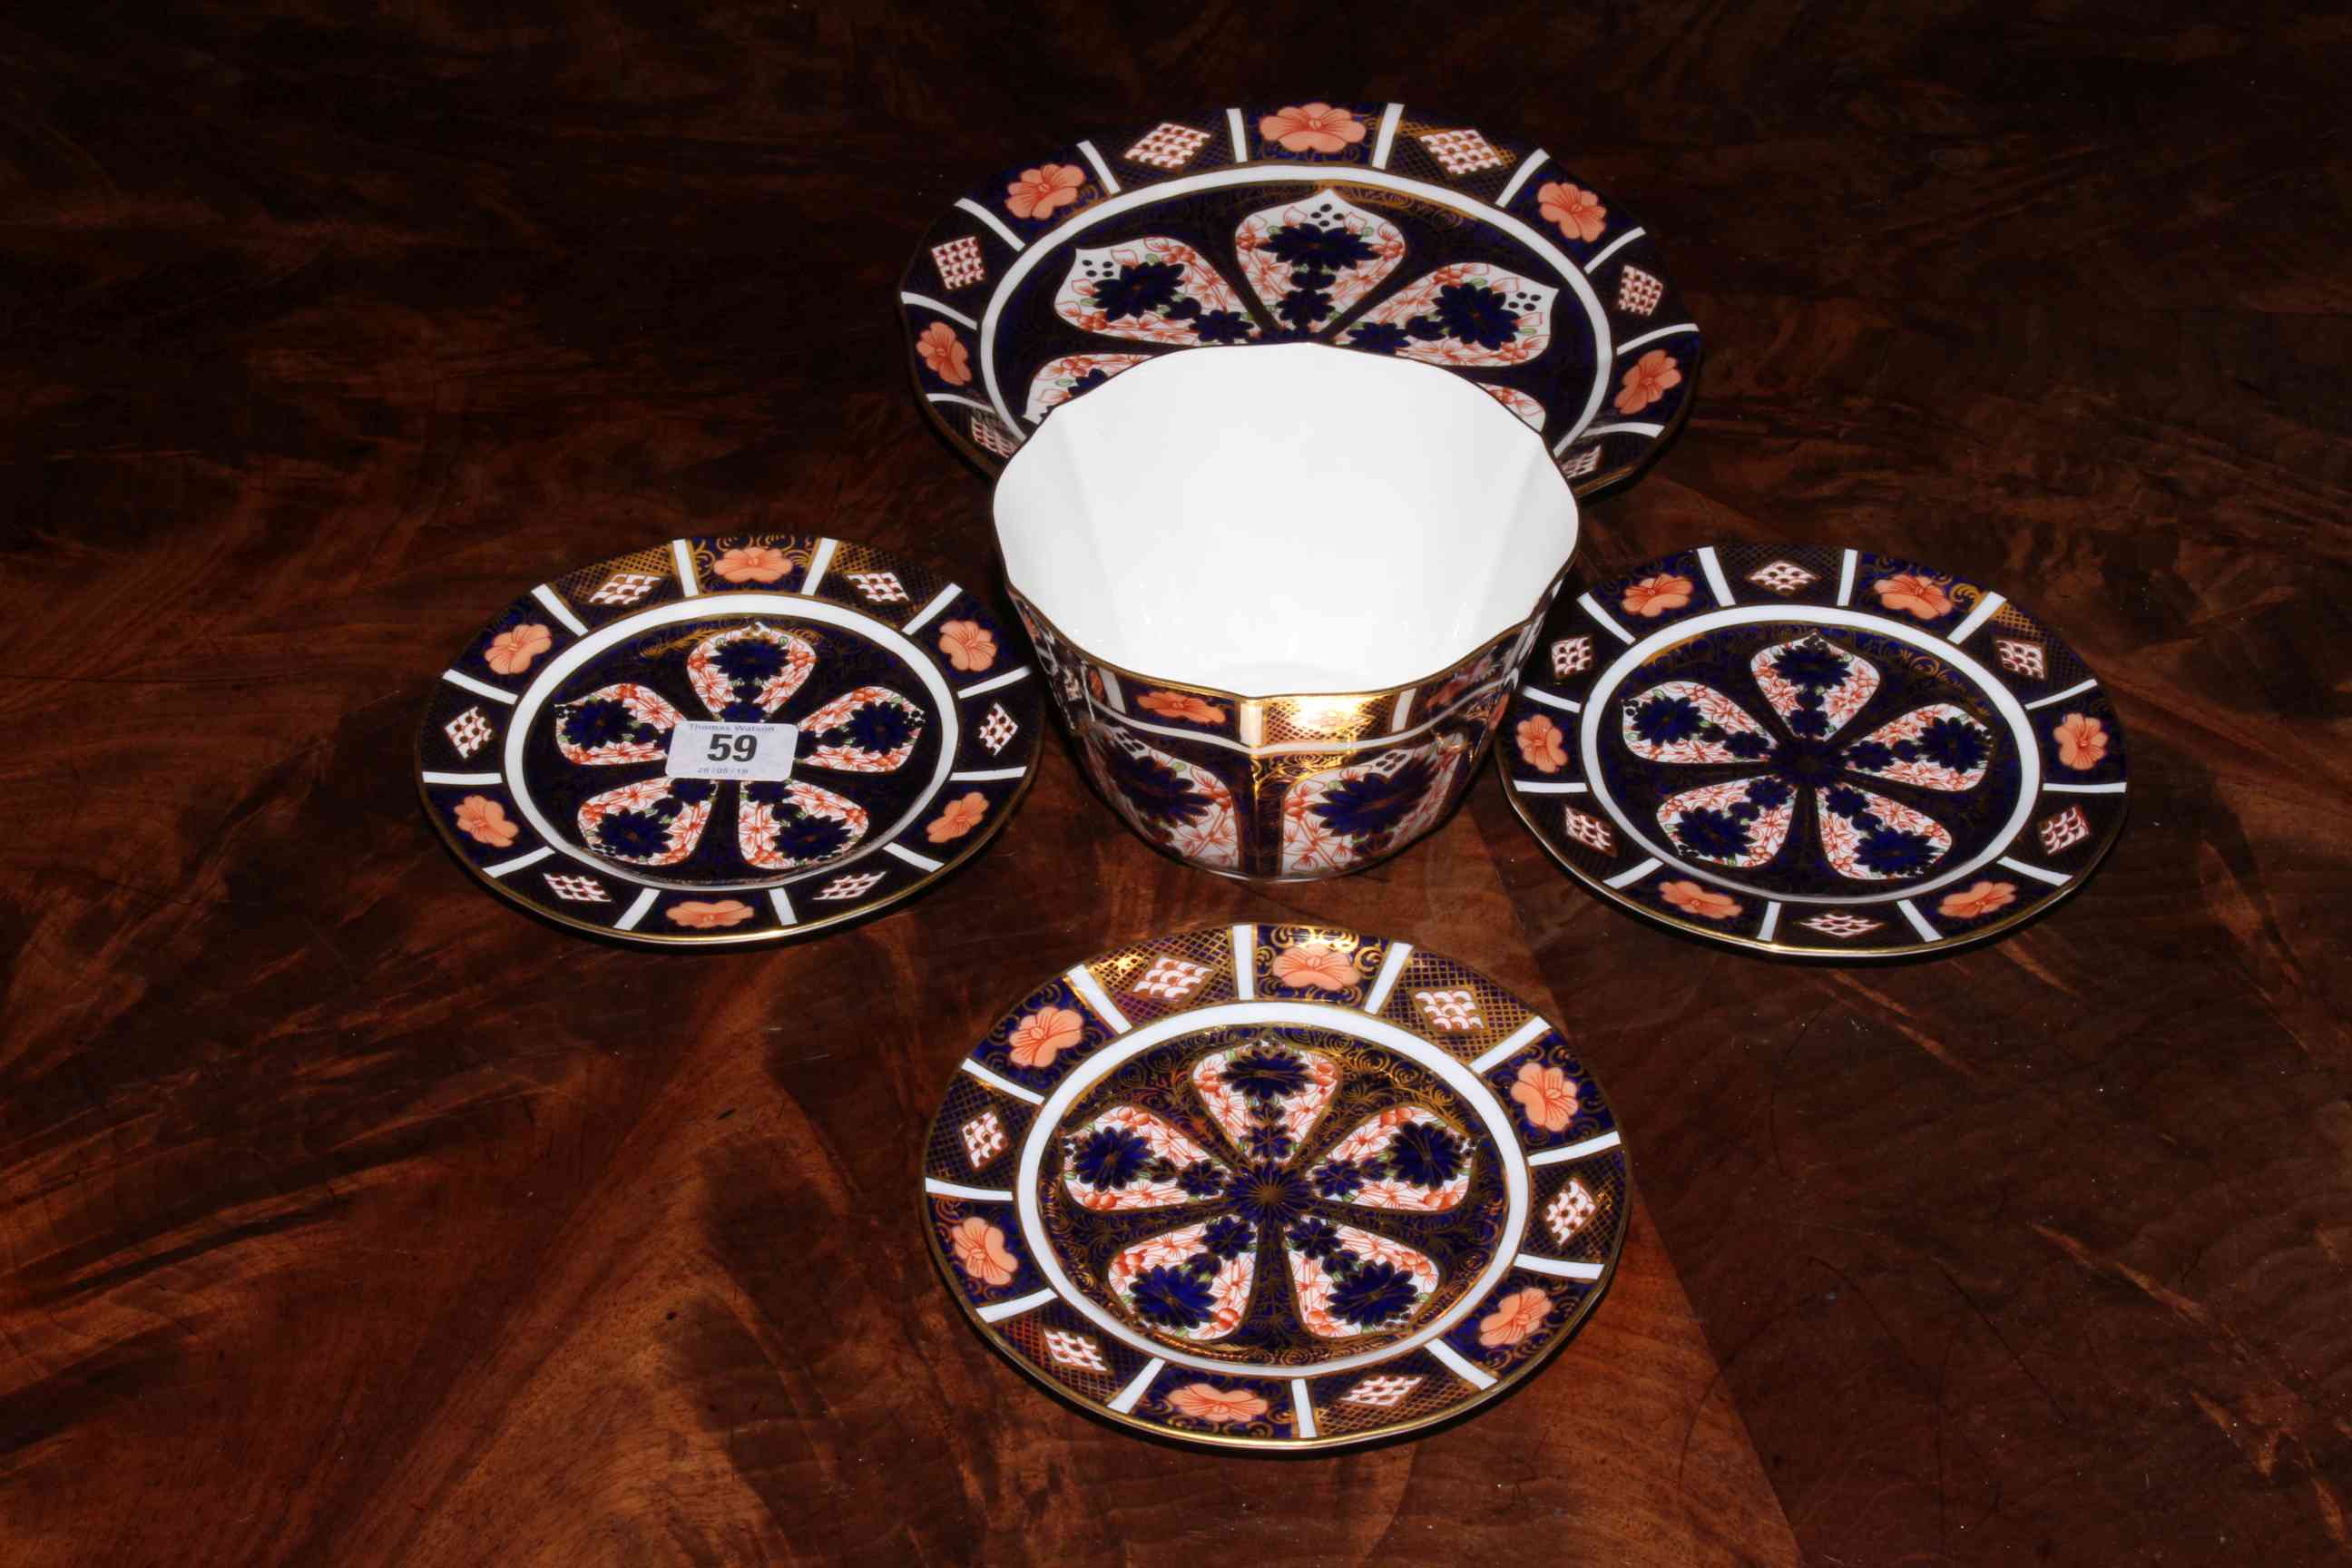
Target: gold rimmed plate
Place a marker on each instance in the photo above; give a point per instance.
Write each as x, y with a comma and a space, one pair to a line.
1275, 1187
1815, 752
1379, 227
730, 739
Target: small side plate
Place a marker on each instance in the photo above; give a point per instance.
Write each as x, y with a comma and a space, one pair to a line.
544, 757
1275, 1187
1823, 752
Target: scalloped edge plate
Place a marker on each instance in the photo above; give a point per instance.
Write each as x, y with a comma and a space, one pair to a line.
953, 292
1564, 1211
467, 747
1598, 633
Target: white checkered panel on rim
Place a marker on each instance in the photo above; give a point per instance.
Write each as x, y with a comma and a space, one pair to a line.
960, 262
983, 1139
1780, 576
1582, 461
467, 731
625, 588
1567, 1213
851, 886
1840, 924
1381, 1393
879, 587
1638, 293
1171, 979
997, 729
1453, 1011
1168, 146
990, 433
1589, 831
2021, 658
1461, 152
2066, 830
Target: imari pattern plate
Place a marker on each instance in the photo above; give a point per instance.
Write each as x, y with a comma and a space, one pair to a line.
1817, 751
1371, 225
872, 722
1275, 1186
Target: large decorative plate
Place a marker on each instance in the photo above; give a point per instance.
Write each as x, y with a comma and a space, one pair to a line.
1370, 225
1817, 751
904, 708
1274, 1185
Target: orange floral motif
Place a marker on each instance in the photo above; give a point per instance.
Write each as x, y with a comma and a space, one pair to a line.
1547, 1096
1922, 597
1315, 965
1694, 899
980, 1251
961, 817
1578, 210
1040, 190
1539, 744
1653, 596
752, 564
699, 914
1206, 1402
967, 645
2081, 741
1181, 705
1653, 376
944, 351
485, 821
1980, 899
1043, 1035
1520, 1314
1312, 128
510, 652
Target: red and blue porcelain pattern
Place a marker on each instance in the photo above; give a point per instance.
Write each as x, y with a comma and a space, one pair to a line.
1367, 225
544, 758
1820, 752
1280, 787
1277, 1185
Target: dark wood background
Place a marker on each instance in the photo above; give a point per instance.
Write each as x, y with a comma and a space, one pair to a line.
348, 1215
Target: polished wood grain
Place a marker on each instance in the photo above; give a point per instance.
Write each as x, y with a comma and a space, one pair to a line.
351, 1217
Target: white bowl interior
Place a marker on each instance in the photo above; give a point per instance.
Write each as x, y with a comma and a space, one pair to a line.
1284, 518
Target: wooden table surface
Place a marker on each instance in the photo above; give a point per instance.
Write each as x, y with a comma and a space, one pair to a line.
351, 1216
